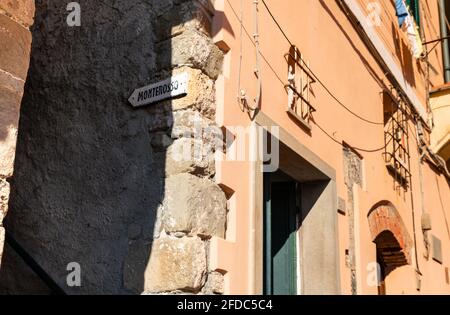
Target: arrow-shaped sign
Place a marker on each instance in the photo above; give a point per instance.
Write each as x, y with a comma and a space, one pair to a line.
169, 88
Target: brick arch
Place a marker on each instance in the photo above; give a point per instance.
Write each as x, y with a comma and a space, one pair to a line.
384, 217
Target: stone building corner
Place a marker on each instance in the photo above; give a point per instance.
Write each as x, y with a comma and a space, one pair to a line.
194, 208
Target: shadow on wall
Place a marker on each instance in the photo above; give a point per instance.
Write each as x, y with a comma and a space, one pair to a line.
364, 61
90, 170
403, 53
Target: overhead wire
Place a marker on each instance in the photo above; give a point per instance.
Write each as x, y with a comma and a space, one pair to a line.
242, 97
257, 55
315, 76
241, 21
353, 147
251, 40
283, 84
362, 118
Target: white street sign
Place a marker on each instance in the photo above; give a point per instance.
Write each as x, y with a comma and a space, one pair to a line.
169, 88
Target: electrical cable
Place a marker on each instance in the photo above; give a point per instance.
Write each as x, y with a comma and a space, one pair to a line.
242, 98
250, 38
239, 93
257, 56
315, 76
283, 84
355, 148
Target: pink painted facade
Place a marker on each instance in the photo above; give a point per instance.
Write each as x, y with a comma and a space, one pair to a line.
351, 63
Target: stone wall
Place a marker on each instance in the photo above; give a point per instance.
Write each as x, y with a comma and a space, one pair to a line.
353, 175
96, 181
15, 39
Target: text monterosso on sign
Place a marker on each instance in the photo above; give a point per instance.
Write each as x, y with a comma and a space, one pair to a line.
169, 88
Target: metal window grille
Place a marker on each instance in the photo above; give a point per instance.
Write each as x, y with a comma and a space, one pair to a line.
299, 88
396, 136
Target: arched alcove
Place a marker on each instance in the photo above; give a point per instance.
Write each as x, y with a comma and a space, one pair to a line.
393, 243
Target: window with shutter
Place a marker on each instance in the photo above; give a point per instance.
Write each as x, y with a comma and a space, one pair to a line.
414, 8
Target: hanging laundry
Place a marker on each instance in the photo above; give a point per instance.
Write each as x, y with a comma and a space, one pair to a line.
412, 32
407, 23
419, 51
402, 11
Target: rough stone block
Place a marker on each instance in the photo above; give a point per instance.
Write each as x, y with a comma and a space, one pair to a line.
4, 198
10, 99
201, 93
176, 264
194, 205
197, 140
189, 156
194, 48
159, 120
190, 124
214, 284
16, 46
161, 141
21, 11
188, 15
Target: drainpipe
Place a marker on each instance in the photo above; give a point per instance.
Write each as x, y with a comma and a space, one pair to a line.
445, 42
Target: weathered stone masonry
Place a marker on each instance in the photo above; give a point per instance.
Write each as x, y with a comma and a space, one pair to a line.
353, 175
96, 181
15, 18
194, 208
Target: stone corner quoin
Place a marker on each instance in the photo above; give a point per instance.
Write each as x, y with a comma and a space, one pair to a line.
194, 207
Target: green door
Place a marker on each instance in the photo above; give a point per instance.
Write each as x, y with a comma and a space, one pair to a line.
280, 261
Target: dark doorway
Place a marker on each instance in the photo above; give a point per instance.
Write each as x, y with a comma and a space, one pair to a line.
280, 226
382, 275
389, 257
